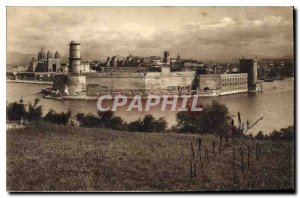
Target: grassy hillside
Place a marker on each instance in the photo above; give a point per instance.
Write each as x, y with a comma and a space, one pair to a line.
48, 157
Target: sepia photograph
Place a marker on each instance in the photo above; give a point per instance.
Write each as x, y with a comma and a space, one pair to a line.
150, 99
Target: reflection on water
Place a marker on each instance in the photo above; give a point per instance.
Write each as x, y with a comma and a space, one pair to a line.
275, 104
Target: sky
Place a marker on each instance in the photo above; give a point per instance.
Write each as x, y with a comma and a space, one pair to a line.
194, 32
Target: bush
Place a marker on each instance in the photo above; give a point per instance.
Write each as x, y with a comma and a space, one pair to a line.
104, 119
148, 124
15, 111
135, 125
286, 134
117, 123
213, 119
88, 120
260, 135
57, 118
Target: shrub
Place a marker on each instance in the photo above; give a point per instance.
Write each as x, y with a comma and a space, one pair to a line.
88, 120
57, 118
286, 134
104, 119
135, 125
148, 124
117, 123
260, 135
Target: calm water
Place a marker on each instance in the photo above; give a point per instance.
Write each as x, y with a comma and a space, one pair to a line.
275, 105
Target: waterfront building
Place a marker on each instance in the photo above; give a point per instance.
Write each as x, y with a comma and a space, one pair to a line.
156, 78
222, 84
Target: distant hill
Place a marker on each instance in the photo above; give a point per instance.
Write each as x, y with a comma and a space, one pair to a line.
16, 58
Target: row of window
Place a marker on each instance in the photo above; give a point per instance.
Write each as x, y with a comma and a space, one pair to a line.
234, 83
235, 79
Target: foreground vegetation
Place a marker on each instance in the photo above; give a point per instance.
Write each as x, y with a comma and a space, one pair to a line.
102, 154
50, 157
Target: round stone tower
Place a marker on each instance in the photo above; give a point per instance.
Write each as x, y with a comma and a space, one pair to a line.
73, 83
76, 81
74, 57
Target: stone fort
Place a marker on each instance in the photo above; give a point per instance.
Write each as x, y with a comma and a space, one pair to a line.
156, 79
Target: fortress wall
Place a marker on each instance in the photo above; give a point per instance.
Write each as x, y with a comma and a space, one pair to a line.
115, 82
169, 81
123, 82
115, 74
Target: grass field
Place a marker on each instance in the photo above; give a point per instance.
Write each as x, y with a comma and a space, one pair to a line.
47, 157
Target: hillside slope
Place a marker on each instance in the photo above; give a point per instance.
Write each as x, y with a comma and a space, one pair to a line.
48, 157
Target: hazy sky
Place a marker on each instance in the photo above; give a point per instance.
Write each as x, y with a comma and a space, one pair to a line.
195, 32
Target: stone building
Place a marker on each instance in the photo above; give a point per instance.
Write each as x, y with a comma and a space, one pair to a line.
222, 84
46, 62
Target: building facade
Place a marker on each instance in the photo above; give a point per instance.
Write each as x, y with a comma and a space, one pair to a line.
46, 63
222, 84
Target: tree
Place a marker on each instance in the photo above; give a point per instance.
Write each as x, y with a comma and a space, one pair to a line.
34, 112
213, 119
15, 111
148, 124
